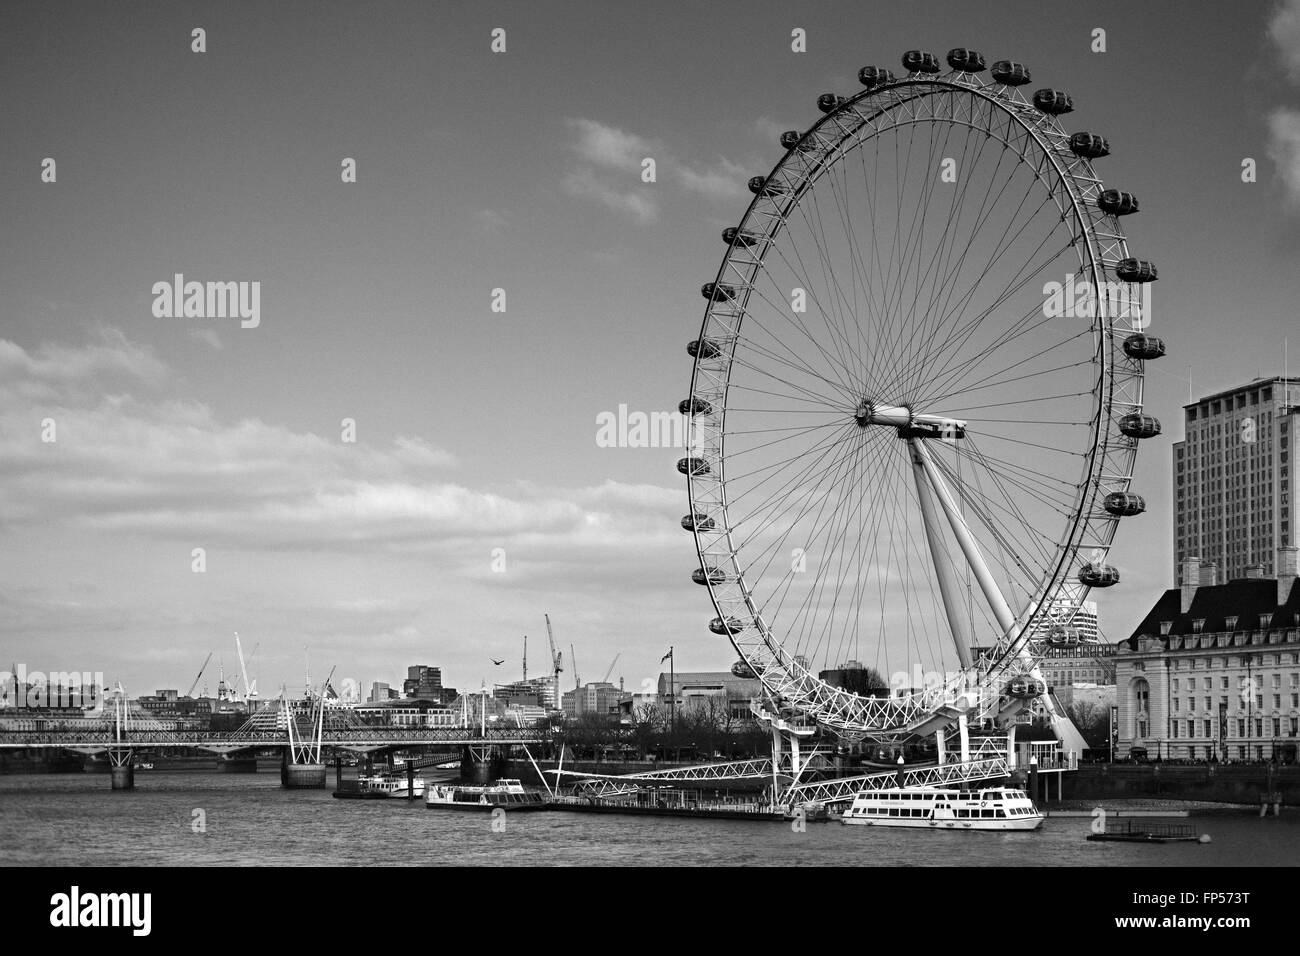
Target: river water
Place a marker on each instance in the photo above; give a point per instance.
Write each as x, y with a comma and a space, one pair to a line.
248, 819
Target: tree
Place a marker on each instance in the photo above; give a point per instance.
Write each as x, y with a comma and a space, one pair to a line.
1093, 721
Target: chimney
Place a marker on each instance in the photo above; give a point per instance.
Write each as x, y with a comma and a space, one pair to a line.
1191, 580
1209, 575
1288, 569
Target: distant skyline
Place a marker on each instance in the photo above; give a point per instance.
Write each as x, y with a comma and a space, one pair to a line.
476, 496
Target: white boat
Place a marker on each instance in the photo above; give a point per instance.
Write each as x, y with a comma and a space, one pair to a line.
390, 785
509, 794
994, 808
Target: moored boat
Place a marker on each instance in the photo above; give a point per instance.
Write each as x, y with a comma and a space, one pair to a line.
380, 786
993, 808
510, 795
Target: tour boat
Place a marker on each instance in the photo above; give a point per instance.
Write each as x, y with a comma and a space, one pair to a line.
510, 795
390, 785
997, 808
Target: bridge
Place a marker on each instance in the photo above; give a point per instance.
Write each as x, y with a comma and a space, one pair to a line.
97, 740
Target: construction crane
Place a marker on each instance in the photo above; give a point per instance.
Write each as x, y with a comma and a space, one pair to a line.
555, 656
605, 679
250, 687
197, 676
573, 662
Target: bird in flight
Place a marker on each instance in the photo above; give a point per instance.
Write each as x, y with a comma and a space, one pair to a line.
498, 663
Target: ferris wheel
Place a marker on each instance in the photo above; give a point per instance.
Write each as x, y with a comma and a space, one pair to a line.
916, 399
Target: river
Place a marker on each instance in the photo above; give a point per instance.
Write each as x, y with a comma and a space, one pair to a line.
248, 819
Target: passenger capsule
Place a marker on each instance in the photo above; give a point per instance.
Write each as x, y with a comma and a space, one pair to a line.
1011, 73
1025, 688
708, 575
1117, 203
1139, 345
1099, 575
731, 625
703, 348
873, 76
694, 406
761, 186
733, 235
717, 291
1089, 145
830, 102
693, 466
793, 139
1124, 504
1136, 270
1140, 426
697, 522
1062, 635
918, 61
1053, 102
744, 670
966, 61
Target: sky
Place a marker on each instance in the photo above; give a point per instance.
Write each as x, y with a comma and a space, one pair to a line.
475, 497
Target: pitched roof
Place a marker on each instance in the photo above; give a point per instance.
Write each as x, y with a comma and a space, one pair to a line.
1244, 599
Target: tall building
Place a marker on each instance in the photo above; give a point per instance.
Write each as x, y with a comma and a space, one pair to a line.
1232, 491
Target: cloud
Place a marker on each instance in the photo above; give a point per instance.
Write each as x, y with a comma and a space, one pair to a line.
634, 203
723, 180
610, 157
491, 220
607, 146
1284, 150
208, 337
1284, 31
54, 368
172, 469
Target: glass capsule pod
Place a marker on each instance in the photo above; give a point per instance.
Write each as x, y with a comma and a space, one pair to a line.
873, 76
966, 61
1136, 270
1053, 102
1089, 145
1139, 345
1097, 575
697, 522
1011, 73
918, 61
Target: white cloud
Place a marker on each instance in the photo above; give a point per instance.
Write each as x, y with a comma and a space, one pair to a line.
1284, 31
208, 337
722, 180
110, 358
607, 146
491, 220
1284, 150
632, 202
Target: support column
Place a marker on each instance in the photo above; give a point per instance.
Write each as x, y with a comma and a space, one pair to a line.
965, 738
941, 748
121, 768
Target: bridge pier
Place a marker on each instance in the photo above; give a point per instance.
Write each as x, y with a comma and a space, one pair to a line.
121, 768
229, 763
301, 776
481, 763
